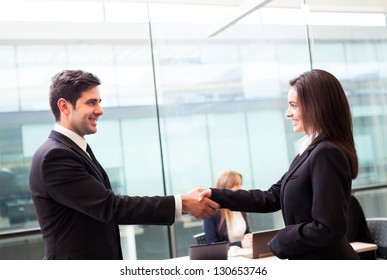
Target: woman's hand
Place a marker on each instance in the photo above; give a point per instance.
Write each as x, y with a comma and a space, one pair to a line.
199, 208
205, 193
247, 241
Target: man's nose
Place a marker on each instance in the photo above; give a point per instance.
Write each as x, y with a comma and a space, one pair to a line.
99, 110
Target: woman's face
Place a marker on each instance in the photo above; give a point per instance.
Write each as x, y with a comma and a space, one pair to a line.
294, 112
238, 184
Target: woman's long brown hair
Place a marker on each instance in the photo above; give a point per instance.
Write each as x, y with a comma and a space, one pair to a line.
325, 111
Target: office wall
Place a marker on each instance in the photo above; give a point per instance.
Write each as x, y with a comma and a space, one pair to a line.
180, 106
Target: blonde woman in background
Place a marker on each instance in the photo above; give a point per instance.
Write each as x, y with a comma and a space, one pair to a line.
226, 225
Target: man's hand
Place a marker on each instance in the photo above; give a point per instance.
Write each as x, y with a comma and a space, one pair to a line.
198, 209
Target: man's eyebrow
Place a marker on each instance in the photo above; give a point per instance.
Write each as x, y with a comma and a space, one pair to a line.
94, 100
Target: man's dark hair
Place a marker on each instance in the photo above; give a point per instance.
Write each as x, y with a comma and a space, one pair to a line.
69, 84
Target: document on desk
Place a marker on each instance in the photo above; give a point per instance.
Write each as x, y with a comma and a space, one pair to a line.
361, 247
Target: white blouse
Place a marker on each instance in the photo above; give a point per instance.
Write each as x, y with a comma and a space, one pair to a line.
303, 143
238, 228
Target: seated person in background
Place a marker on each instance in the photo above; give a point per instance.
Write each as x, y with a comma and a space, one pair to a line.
226, 225
357, 229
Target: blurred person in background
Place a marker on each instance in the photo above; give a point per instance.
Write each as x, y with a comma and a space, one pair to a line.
226, 225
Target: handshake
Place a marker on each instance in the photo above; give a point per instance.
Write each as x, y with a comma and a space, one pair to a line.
198, 204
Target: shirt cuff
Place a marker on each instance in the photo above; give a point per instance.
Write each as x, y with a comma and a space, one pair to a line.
178, 208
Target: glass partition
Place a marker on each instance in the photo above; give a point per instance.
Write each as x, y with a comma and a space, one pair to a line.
123, 62
353, 46
181, 104
223, 100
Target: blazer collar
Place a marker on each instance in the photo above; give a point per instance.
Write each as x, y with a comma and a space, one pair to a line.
298, 160
73, 146
68, 142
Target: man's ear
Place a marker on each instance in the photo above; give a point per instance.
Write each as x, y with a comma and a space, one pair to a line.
64, 106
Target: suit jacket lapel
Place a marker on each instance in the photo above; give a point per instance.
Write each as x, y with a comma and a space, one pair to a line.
69, 143
298, 161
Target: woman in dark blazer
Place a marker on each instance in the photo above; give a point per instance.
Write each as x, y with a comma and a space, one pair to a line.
228, 225
313, 194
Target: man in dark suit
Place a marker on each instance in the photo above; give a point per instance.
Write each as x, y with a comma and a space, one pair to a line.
77, 210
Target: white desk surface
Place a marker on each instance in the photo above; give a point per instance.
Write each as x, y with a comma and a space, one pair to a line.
237, 253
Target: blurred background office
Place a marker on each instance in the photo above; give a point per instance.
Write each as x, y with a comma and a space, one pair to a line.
183, 82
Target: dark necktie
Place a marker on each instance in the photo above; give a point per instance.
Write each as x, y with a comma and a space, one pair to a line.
95, 161
91, 154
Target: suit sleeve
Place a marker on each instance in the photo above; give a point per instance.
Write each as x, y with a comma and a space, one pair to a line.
249, 200
211, 230
68, 182
236, 243
213, 234
331, 184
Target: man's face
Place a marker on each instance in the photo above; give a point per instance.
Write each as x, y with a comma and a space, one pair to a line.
84, 117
